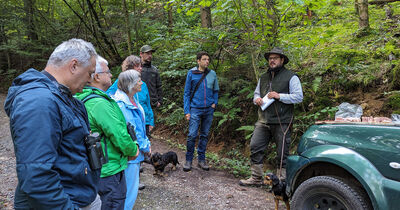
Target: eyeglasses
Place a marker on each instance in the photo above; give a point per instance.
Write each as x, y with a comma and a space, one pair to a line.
274, 58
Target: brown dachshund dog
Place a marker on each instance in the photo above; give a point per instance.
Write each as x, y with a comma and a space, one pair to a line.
278, 189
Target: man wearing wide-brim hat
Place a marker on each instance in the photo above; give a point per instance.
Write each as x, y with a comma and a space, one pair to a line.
277, 91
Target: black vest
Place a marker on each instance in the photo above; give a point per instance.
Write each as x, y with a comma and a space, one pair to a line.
279, 84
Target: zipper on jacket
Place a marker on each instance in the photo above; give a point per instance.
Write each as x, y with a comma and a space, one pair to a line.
205, 93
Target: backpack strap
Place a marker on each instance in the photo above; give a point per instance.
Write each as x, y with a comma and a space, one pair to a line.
87, 98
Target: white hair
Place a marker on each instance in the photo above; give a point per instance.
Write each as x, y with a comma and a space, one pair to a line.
99, 68
79, 49
127, 80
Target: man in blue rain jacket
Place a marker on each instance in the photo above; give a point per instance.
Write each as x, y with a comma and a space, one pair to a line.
49, 127
200, 100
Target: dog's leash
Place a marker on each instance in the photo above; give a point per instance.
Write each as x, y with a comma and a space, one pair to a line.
283, 140
284, 132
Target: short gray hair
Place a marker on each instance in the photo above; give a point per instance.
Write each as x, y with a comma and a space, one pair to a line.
130, 62
99, 61
127, 80
79, 49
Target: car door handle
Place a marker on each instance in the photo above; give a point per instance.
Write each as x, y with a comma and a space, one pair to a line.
394, 165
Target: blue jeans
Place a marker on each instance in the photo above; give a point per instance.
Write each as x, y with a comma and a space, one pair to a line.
199, 118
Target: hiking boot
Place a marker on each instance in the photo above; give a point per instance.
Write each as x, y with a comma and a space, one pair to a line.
256, 182
203, 165
188, 166
142, 186
256, 176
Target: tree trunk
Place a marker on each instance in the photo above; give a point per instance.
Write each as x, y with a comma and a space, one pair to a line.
205, 15
128, 28
388, 12
136, 26
363, 22
170, 20
29, 19
114, 52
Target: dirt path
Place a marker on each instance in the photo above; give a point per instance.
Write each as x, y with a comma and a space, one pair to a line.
197, 189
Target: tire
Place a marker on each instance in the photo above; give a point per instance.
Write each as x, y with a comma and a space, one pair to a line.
325, 192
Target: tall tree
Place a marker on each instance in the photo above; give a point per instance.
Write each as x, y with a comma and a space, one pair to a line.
127, 27
362, 12
205, 15
170, 19
29, 19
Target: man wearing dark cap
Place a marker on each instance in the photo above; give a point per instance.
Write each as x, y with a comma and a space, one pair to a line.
277, 91
151, 76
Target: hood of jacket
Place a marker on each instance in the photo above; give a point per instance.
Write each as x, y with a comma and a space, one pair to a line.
28, 80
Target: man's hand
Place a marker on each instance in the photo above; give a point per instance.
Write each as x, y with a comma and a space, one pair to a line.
187, 116
259, 101
158, 104
273, 94
213, 106
137, 153
151, 127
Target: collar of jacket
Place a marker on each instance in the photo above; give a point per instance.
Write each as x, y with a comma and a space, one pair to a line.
63, 89
93, 90
197, 71
122, 96
275, 70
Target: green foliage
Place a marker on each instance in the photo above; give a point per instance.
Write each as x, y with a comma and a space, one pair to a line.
174, 118
230, 105
233, 161
396, 76
248, 130
394, 102
305, 120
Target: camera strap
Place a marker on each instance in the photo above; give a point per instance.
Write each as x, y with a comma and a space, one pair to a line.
198, 83
87, 98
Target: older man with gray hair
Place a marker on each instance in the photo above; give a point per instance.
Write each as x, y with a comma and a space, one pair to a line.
49, 128
106, 118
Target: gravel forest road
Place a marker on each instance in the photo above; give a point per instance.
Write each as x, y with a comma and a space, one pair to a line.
196, 189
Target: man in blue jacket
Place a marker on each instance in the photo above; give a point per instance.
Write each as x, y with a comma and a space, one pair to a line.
49, 127
200, 99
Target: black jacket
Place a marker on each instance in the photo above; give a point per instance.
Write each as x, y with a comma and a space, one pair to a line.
152, 78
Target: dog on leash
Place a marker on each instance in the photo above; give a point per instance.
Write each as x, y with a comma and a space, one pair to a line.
160, 161
278, 189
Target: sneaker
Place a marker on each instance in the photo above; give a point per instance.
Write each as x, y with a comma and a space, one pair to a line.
187, 166
142, 186
203, 165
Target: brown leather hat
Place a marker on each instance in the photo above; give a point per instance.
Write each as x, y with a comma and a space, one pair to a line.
279, 51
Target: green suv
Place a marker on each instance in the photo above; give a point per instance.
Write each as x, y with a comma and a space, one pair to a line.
349, 166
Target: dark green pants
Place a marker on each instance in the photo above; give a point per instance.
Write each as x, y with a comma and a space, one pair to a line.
262, 136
